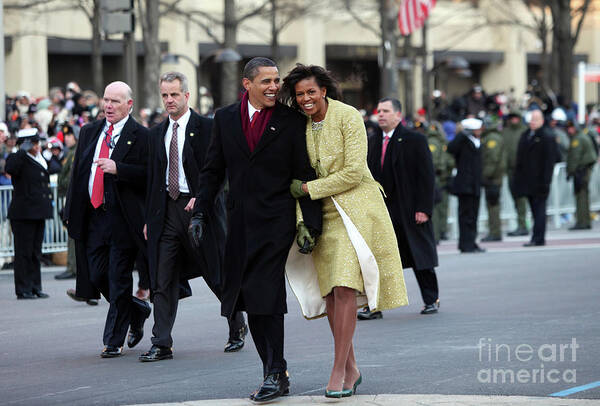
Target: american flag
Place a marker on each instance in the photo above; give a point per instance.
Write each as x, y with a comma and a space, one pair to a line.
412, 14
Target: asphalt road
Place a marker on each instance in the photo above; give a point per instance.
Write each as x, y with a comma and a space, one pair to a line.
504, 316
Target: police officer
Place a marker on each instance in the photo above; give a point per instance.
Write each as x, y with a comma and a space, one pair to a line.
466, 148
581, 158
493, 165
511, 133
31, 204
438, 147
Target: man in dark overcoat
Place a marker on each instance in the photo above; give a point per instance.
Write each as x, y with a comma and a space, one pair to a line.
177, 148
400, 160
466, 148
104, 214
260, 145
29, 208
536, 155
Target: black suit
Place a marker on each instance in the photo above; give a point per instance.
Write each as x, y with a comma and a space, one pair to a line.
108, 238
31, 204
408, 180
172, 258
261, 217
467, 186
536, 155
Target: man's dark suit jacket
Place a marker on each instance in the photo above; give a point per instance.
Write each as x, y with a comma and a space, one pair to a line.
124, 194
408, 180
261, 211
197, 138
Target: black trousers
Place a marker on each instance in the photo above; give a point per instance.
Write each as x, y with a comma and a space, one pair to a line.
111, 255
468, 210
428, 285
538, 211
267, 333
141, 265
173, 247
27, 237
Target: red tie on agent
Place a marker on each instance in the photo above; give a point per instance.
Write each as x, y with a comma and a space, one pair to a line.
253, 119
98, 186
386, 140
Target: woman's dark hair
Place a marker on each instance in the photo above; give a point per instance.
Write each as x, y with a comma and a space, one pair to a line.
322, 76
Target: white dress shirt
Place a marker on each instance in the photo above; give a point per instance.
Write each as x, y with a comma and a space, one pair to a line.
117, 128
388, 134
182, 123
251, 110
39, 159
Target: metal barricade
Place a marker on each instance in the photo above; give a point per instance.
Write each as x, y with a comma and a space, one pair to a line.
561, 201
55, 235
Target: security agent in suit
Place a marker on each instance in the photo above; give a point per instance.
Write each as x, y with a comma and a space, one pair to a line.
177, 149
536, 155
260, 162
31, 204
104, 215
400, 160
466, 148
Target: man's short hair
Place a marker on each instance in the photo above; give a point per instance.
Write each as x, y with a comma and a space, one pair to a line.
251, 68
396, 105
173, 76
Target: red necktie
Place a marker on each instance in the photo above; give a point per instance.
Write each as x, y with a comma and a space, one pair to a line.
98, 186
386, 140
253, 119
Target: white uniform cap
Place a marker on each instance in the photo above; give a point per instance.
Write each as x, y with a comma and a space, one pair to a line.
3, 127
27, 132
559, 114
471, 124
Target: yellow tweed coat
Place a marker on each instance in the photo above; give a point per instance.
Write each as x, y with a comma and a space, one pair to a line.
340, 159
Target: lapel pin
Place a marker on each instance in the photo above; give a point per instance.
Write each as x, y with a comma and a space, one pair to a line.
399, 139
272, 128
128, 142
191, 134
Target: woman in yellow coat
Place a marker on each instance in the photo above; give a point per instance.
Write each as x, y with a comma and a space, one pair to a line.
357, 253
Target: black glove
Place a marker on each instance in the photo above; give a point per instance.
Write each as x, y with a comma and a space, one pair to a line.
196, 229
305, 240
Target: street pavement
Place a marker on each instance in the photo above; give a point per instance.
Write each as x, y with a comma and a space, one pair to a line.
515, 326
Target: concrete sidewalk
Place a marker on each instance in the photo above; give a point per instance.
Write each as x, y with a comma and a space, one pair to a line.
397, 400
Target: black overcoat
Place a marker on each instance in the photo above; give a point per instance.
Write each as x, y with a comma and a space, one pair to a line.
31, 197
536, 156
197, 138
468, 166
261, 212
408, 179
128, 185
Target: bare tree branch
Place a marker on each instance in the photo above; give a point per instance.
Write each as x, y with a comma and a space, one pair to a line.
253, 12
168, 7
23, 5
582, 14
359, 20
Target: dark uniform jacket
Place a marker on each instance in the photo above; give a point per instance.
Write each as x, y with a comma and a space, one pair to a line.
31, 198
197, 137
124, 193
536, 156
408, 180
468, 165
261, 211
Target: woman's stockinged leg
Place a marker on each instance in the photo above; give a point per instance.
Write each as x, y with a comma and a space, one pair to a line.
343, 325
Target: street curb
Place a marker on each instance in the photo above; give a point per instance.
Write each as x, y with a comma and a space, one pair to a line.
395, 400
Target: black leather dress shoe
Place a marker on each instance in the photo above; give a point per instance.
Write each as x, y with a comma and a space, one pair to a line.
236, 342
491, 238
274, 386
140, 312
533, 244
431, 308
111, 351
518, 232
367, 314
134, 336
21, 296
41, 295
64, 275
156, 353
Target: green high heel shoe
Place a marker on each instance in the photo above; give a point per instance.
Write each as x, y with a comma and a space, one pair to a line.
337, 394
349, 392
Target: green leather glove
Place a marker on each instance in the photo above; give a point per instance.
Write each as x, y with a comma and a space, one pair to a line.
305, 241
296, 189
